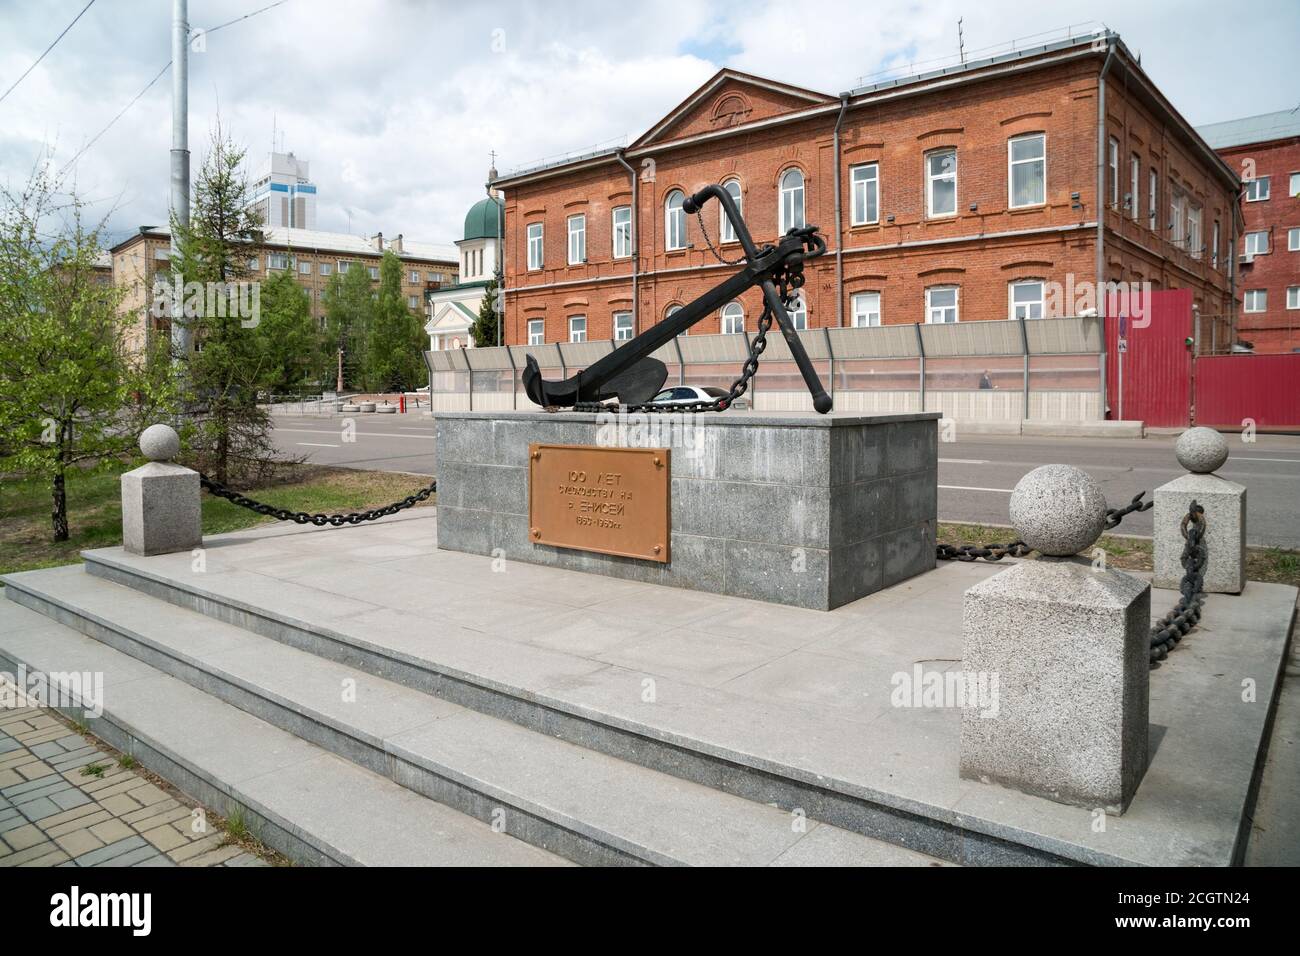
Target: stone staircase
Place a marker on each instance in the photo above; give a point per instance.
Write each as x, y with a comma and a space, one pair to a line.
341, 749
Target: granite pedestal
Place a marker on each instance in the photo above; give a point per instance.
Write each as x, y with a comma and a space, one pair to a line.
1225, 531
160, 509
800, 509
1070, 647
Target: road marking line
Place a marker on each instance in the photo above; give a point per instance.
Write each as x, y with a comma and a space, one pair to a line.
1005, 491
317, 431
1289, 461
318, 444
964, 461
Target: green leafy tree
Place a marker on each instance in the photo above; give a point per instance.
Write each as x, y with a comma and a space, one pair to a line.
486, 327
73, 393
228, 433
396, 341
287, 338
349, 301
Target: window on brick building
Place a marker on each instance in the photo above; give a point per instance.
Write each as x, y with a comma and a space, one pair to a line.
1255, 300
1256, 189
866, 310
326, 268
413, 301
671, 311
622, 326
791, 200
253, 264
1255, 243
732, 186
622, 218
674, 220
1114, 173
1294, 191
799, 312
1134, 184
536, 331
535, 245
941, 304
277, 260
733, 318
1027, 170
344, 266
941, 183
415, 277
374, 273
1293, 240
1177, 217
1153, 200
1194, 242
577, 328
1214, 247
577, 240
304, 268
1025, 298
865, 183
1293, 297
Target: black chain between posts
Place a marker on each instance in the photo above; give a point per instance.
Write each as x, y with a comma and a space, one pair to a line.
787, 281
1018, 549
219, 490
1175, 625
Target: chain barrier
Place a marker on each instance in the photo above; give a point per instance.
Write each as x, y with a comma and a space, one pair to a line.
1175, 625
219, 490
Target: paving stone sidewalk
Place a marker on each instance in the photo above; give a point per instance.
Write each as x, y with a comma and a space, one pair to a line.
52, 814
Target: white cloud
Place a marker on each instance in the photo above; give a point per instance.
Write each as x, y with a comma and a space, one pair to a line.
397, 103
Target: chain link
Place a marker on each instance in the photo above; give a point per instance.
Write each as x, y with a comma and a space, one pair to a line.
1175, 625
219, 490
704, 231
1115, 515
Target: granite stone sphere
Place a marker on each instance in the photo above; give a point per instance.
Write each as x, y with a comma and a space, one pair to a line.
1058, 510
160, 443
1201, 450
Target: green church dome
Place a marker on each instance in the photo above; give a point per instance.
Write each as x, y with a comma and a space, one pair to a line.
482, 222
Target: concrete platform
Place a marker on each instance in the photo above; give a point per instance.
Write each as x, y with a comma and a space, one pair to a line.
776, 705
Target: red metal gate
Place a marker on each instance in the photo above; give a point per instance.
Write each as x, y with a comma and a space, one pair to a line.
1148, 360
1232, 390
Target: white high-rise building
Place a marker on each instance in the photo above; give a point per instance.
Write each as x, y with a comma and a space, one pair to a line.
284, 193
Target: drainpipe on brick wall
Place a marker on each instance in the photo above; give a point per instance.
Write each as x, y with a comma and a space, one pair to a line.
839, 218
1101, 207
636, 249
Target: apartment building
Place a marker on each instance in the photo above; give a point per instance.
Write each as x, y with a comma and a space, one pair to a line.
311, 255
1265, 152
284, 194
990, 190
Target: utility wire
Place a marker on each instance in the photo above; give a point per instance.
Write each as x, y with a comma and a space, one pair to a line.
47, 50
166, 66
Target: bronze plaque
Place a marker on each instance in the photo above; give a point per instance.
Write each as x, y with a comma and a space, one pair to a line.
608, 500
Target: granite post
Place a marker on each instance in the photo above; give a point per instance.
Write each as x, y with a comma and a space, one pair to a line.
160, 500
1069, 643
1202, 451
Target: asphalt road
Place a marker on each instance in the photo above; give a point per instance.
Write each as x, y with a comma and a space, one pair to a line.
976, 474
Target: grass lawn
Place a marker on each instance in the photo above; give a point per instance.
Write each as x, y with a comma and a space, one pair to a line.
1134, 554
95, 508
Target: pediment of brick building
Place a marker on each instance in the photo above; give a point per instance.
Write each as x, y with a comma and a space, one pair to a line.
729, 99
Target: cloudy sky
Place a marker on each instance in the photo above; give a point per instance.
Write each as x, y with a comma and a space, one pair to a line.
397, 103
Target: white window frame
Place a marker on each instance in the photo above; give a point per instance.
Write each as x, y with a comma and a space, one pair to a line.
1217, 236
1253, 192
931, 309
865, 313
253, 264
304, 268
791, 208
1194, 240
931, 179
1177, 217
674, 220
725, 229
1014, 308
732, 313
799, 314
536, 237
1293, 297
1013, 163
1114, 173
374, 273
279, 261
1246, 243
415, 277
1134, 181
1294, 189
1293, 239
344, 266
577, 231
536, 331
622, 232
861, 177
326, 268
1153, 200
622, 323
1257, 297
413, 301
577, 328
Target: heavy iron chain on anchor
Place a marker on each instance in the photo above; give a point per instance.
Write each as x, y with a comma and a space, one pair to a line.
219, 490
1175, 625
1018, 549
786, 281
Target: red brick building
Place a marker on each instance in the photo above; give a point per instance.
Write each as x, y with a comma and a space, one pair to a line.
1265, 152
958, 195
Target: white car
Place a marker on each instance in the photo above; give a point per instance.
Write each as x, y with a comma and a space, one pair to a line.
688, 394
